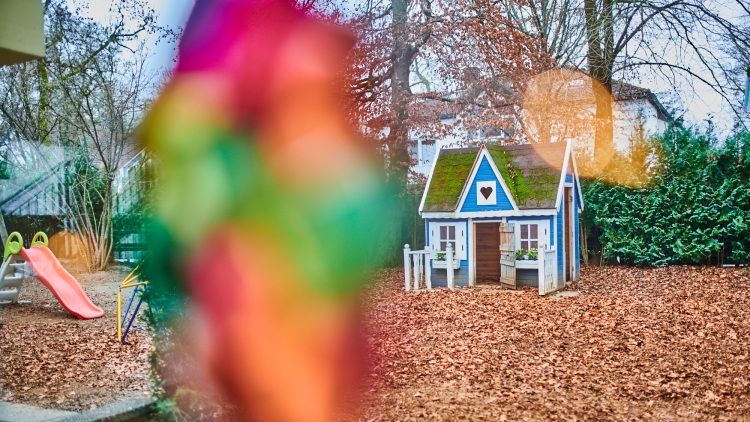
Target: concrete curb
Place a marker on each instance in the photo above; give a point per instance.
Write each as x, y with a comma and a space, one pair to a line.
18, 412
124, 410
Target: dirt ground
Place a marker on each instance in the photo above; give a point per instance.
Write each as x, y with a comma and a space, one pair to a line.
656, 344
48, 358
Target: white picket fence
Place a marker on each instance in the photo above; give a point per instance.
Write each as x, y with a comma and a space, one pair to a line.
418, 271
547, 271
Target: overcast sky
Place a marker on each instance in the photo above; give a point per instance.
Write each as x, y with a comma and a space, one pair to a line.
172, 13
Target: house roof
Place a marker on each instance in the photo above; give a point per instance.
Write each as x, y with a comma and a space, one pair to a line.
537, 172
532, 174
574, 87
622, 91
452, 168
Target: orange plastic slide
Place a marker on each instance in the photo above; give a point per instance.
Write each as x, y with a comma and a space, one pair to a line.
64, 286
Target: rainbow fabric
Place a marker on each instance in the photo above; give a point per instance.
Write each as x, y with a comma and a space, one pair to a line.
268, 210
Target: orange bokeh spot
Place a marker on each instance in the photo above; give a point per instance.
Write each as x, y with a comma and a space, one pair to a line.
560, 105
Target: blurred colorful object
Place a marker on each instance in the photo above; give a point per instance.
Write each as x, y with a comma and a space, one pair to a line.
268, 211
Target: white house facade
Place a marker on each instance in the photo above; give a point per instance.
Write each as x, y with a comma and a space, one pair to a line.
633, 109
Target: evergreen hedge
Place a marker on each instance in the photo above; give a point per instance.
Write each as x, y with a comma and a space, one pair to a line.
681, 198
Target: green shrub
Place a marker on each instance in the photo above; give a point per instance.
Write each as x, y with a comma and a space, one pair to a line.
686, 201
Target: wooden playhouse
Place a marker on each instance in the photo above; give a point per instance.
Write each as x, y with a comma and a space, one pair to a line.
506, 214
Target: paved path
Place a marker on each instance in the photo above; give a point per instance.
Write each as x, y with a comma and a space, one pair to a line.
15, 412
124, 410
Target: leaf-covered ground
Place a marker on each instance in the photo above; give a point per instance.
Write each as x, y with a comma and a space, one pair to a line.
48, 358
667, 343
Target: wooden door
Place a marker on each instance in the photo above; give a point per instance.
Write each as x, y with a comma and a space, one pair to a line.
507, 255
568, 233
487, 252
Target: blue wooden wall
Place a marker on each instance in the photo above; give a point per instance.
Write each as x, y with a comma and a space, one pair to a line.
460, 276
485, 174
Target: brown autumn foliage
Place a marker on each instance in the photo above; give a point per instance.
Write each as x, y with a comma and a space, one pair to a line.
415, 61
666, 343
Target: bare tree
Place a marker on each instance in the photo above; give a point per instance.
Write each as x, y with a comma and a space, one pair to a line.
679, 40
87, 96
103, 109
418, 60
559, 23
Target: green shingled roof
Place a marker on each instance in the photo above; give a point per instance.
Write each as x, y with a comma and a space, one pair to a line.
448, 178
531, 173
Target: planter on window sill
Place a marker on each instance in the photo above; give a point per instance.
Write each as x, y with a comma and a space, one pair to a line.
442, 264
527, 263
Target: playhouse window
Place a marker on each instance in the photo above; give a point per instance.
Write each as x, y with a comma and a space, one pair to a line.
447, 236
529, 236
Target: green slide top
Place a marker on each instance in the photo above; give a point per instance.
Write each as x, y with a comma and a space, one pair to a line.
36, 242
13, 247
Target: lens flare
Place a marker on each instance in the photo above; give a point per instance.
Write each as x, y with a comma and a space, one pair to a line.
561, 105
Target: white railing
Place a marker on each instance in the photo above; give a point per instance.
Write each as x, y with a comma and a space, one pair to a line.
418, 271
547, 271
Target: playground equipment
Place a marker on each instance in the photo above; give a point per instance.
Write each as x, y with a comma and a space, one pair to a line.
44, 265
11, 275
132, 280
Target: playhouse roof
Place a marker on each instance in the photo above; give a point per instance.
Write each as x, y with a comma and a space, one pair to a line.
532, 174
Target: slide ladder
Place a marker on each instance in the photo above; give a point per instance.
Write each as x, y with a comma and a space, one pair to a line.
11, 270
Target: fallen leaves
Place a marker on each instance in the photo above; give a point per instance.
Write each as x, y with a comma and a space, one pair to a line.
69, 365
50, 359
636, 343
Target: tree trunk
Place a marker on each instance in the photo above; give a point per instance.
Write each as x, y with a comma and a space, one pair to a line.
3, 229
399, 160
600, 40
584, 244
44, 89
398, 136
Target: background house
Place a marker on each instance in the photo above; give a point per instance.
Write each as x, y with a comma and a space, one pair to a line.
569, 113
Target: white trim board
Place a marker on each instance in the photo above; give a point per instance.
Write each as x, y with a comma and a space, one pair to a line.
569, 157
563, 170
578, 182
491, 214
429, 180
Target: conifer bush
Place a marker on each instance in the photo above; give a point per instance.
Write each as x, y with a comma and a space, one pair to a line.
681, 198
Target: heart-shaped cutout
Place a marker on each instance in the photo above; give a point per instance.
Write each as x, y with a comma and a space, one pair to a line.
486, 191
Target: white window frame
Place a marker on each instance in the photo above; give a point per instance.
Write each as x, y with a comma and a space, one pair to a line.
543, 232
421, 159
460, 240
528, 238
450, 237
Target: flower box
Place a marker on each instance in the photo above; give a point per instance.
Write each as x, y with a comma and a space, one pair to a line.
527, 264
443, 264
